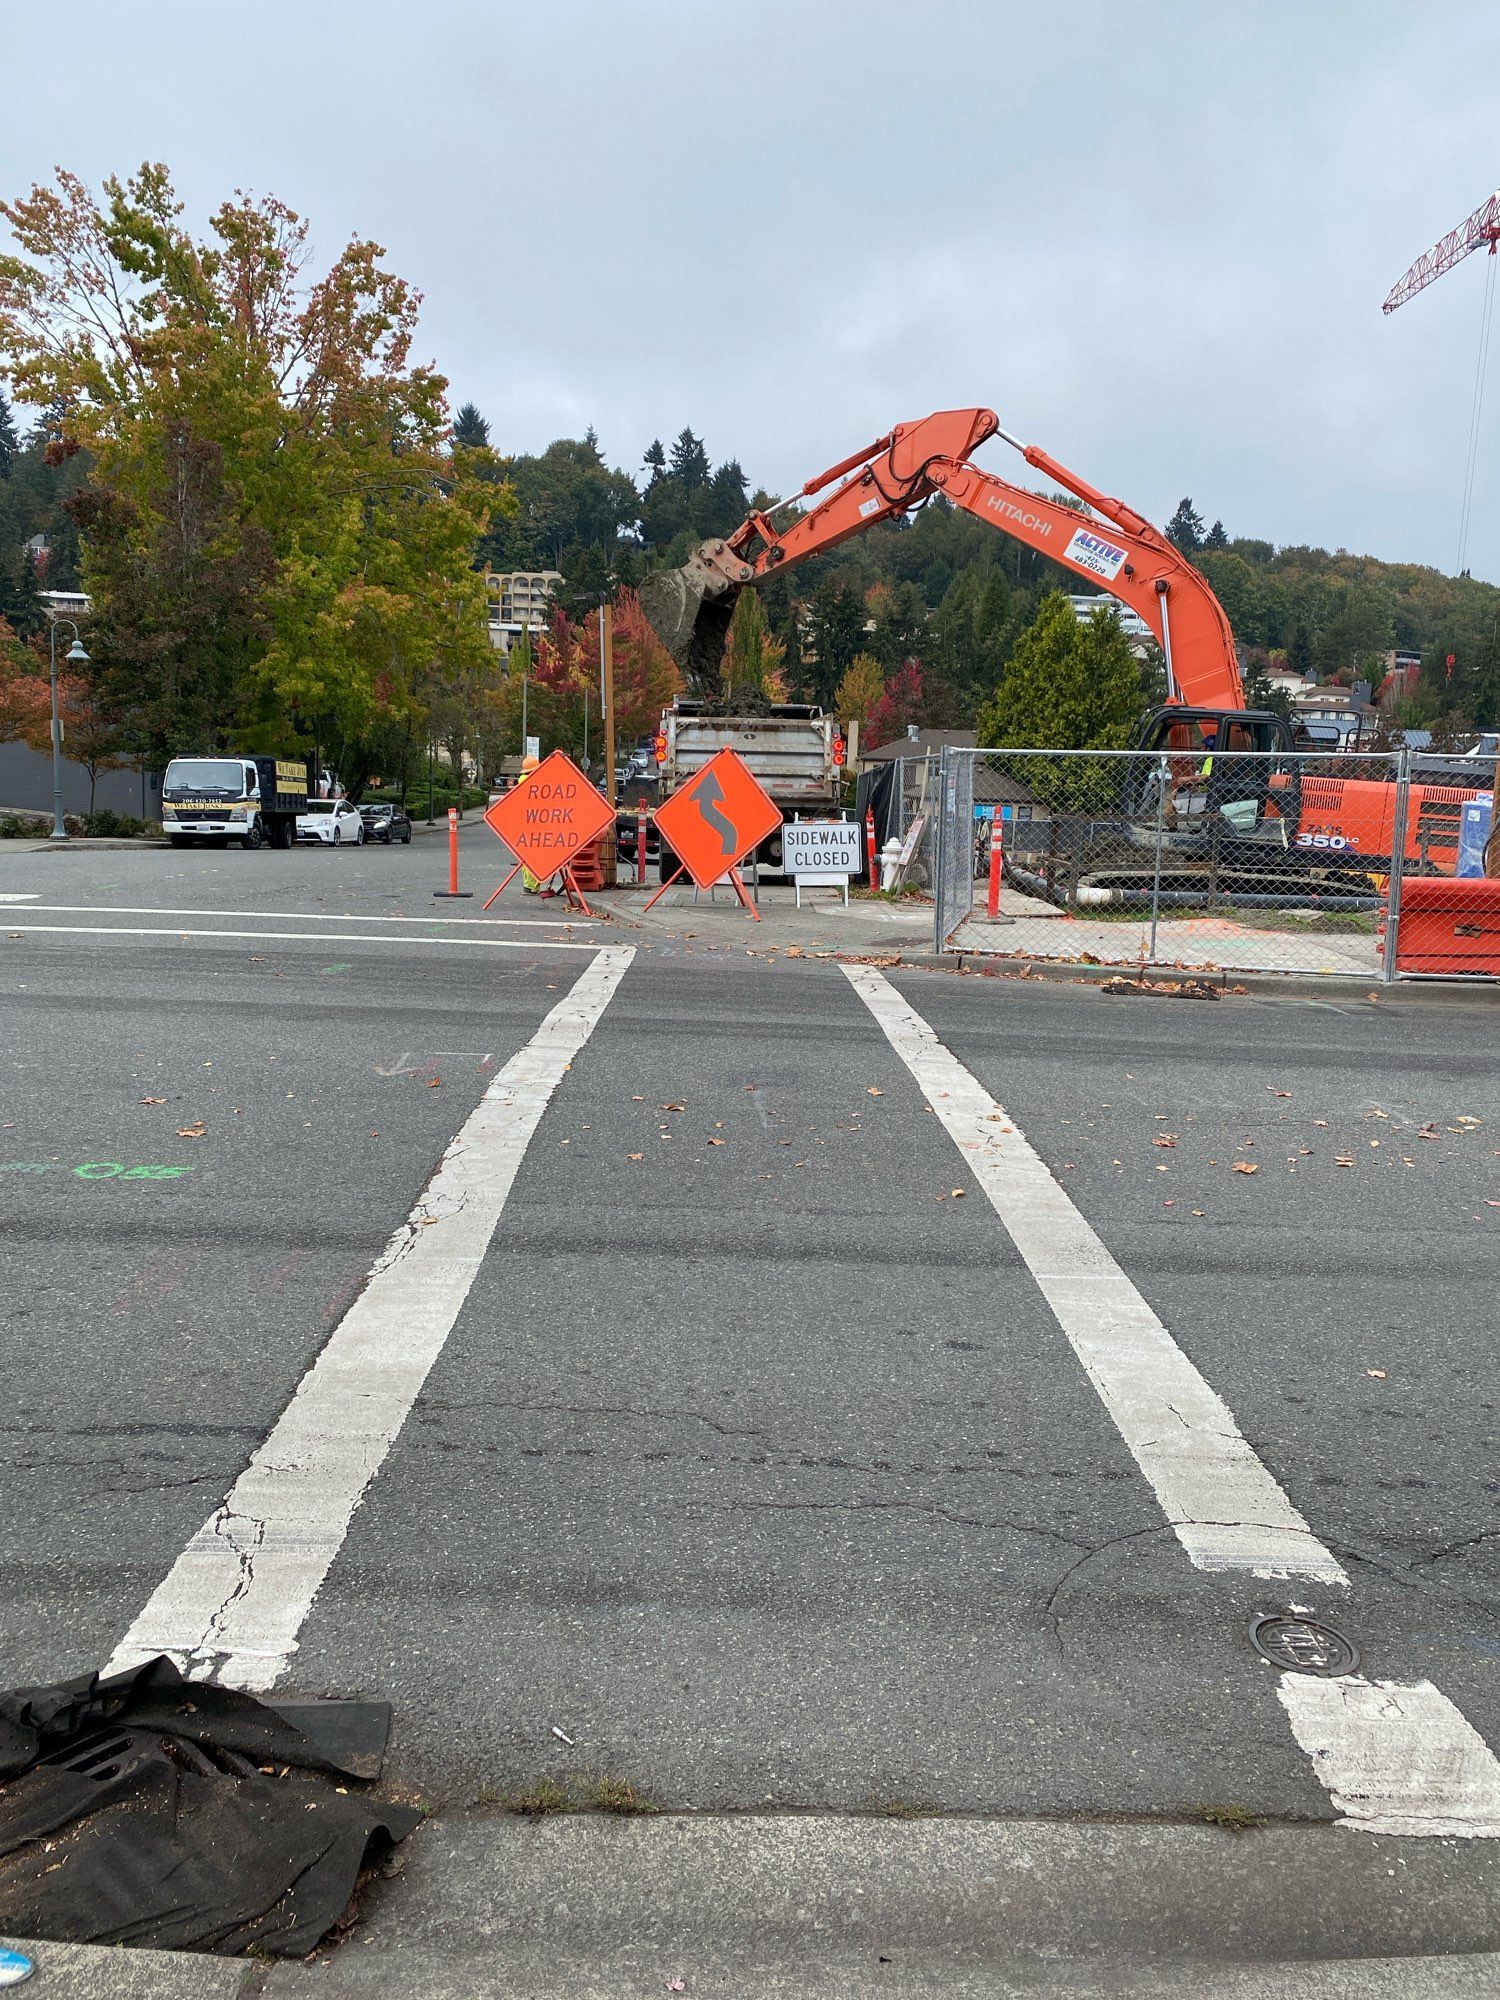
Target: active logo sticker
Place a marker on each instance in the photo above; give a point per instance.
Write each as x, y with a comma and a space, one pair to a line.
1091, 552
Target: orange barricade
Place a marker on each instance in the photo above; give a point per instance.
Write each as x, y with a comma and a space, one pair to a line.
1449, 924
588, 866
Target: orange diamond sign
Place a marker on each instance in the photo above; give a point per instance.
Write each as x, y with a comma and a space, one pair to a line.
552, 813
712, 823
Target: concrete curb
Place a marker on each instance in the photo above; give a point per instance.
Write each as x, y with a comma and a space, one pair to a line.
507, 1972
1326, 986
83, 841
830, 1907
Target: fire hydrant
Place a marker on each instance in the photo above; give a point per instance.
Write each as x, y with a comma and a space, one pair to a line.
890, 861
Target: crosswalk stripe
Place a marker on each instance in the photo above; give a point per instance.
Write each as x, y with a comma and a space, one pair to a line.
1395, 1758
1225, 1508
233, 1603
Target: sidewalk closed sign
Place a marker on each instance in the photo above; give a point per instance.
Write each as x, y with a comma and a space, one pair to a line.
821, 850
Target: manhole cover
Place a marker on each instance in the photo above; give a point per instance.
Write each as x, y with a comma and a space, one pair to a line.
1303, 1645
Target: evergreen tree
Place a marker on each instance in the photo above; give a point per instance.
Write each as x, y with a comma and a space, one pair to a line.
470, 428
655, 461
729, 500
752, 658
1216, 537
837, 632
900, 625
1071, 684
1185, 529
10, 444
690, 462
1299, 652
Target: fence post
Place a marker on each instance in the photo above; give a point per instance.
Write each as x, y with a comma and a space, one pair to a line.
1163, 780
1388, 971
940, 839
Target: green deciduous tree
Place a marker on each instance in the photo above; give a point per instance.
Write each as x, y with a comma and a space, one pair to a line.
242, 413
860, 689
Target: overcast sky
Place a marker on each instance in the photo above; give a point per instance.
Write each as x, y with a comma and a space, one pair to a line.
1155, 238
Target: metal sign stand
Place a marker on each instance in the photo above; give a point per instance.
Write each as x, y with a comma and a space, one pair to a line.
570, 889
732, 875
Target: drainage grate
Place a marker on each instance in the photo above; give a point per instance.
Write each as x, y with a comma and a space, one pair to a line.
1303, 1645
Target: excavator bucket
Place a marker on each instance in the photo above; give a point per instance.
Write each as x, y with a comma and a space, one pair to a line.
689, 610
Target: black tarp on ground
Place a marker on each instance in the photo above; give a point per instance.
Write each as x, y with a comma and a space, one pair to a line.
136, 1810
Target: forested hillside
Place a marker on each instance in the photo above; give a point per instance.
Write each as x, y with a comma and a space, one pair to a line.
954, 595
913, 622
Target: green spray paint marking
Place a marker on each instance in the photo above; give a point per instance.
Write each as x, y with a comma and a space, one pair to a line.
95, 1170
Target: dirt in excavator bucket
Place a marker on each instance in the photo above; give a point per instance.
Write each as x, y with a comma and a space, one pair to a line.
689, 610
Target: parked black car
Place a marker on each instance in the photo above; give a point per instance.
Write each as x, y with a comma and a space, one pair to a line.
385, 823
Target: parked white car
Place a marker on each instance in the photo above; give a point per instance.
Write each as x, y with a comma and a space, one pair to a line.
333, 822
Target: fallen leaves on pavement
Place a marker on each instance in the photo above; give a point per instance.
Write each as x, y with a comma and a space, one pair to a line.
1245, 1167
194, 1131
153, 1100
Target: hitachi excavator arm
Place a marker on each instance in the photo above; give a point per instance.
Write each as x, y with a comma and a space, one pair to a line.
1110, 546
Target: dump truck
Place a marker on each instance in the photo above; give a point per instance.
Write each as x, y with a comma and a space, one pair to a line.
794, 749
213, 800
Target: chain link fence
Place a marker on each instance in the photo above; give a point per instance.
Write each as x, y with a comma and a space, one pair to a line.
1197, 858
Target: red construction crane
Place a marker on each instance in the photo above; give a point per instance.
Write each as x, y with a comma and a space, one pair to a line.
1482, 227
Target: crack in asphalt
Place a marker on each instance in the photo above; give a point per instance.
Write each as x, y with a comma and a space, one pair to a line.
592, 1410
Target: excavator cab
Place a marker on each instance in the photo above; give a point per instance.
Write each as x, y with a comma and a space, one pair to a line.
1218, 777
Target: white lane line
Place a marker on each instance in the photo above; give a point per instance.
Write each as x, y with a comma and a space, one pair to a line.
1223, 1505
296, 916
1395, 1758
26, 896
16, 927
233, 1603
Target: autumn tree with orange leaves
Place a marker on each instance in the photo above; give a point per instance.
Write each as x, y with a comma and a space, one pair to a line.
253, 423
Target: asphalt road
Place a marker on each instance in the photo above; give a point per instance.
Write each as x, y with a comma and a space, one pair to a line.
755, 1460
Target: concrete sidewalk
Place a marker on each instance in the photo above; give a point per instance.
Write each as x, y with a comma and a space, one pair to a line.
828, 1908
713, 920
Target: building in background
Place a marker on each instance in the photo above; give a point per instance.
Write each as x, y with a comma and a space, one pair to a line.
1132, 624
518, 599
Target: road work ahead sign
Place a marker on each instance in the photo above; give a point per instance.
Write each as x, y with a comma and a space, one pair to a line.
717, 818
822, 850
552, 813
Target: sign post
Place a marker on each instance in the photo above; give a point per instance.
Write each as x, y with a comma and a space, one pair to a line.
546, 819
716, 819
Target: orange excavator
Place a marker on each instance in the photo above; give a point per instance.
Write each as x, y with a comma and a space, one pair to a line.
1339, 826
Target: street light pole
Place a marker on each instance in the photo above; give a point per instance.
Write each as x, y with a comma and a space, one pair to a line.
75, 652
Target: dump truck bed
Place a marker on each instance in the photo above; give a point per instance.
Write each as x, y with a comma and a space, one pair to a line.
789, 749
